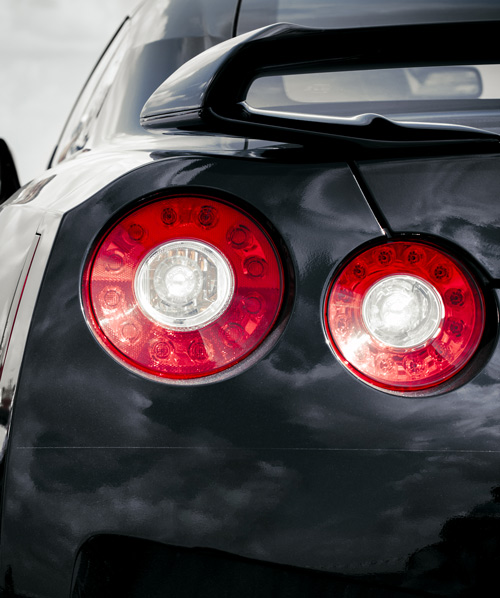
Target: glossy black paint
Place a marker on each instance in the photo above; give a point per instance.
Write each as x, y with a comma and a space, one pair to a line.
116, 566
454, 198
292, 462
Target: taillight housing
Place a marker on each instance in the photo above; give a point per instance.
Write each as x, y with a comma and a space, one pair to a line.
183, 288
405, 316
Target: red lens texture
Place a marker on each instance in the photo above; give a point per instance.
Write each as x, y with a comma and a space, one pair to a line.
138, 341
416, 368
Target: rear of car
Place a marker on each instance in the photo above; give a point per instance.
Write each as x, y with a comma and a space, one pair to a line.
236, 365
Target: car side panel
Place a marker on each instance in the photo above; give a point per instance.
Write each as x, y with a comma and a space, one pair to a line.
293, 461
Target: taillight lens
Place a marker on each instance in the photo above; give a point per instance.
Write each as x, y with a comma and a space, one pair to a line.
404, 316
183, 287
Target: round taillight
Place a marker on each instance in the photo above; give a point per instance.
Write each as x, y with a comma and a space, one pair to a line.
404, 316
183, 287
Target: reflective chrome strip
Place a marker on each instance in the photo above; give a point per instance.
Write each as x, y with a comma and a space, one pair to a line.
18, 225
14, 307
19, 318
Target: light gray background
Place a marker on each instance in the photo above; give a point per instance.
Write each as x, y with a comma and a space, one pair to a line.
47, 50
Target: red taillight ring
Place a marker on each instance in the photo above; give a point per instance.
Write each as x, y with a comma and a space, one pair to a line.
404, 316
183, 287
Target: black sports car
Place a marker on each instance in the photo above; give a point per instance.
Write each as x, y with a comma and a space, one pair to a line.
249, 314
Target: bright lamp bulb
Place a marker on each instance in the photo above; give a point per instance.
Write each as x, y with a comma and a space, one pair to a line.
184, 285
402, 311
